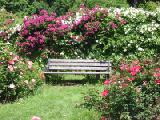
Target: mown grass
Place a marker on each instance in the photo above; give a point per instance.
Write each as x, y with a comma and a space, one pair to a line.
52, 103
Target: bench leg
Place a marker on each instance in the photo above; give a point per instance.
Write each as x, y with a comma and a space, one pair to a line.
97, 75
107, 76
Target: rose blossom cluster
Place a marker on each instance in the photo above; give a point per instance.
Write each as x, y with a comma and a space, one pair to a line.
41, 29
156, 74
7, 29
38, 28
131, 72
12, 62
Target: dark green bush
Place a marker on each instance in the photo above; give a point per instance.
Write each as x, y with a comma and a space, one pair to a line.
103, 3
59, 6
14, 5
150, 5
35, 7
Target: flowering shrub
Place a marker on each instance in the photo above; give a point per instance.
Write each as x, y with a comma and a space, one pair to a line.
18, 77
133, 92
8, 26
40, 30
95, 33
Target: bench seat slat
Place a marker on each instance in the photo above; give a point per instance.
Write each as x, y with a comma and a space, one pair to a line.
77, 72
73, 60
79, 64
75, 68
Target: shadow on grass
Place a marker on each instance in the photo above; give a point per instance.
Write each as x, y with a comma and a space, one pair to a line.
69, 80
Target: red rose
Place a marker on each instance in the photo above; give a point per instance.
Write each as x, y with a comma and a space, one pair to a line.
136, 69
156, 75
158, 82
133, 73
105, 93
103, 118
11, 62
107, 82
131, 79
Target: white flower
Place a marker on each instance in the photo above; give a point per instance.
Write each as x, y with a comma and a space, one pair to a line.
131, 41
1, 91
125, 50
140, 49
26, 81
62, 53
75, 53
129, 45
12, 86
11, 53
2, 9
117, 10
18, 27
78, 16
33, 80
150, 29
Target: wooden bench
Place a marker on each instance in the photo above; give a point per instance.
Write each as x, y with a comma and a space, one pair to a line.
78, 66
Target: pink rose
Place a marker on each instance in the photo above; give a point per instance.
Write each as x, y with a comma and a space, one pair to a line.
29, 64
11, 62
16, 58
10, 67
36, 118
131, 79
107, 82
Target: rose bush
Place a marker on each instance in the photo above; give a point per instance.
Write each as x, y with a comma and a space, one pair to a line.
92, 33
132, 92
19, 77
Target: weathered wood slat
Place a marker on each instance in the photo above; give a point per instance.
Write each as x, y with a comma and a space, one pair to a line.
79, 64
77, 72
76, 68
74, 60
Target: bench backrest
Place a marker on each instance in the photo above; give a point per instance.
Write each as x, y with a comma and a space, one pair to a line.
79, 64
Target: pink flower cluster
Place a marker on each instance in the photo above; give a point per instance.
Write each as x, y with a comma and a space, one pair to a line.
37, 28
156, 74
90, 20
36, 41
106, 92
131, 72
12, 62
42, 28
91, 28
133, 69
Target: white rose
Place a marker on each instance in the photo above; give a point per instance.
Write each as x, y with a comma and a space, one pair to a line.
129, 45
1, 91
12, 86
33, 80
26, 81
62, 53
125, 50
140, 49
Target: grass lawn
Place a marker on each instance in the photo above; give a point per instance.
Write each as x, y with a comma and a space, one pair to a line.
53, 103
